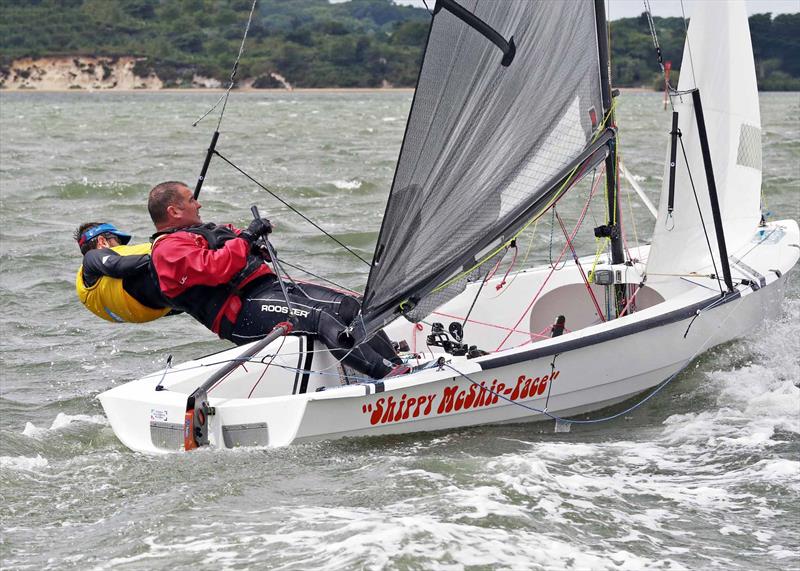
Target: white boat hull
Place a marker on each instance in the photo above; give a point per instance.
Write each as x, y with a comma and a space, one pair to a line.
274, 403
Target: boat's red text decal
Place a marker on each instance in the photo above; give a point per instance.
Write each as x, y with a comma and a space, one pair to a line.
455, 398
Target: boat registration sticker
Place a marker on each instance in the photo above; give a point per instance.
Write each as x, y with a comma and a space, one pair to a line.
158, 415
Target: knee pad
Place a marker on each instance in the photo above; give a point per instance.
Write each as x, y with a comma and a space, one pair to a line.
348, 309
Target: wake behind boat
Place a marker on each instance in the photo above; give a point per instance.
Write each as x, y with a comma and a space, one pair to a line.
513, 108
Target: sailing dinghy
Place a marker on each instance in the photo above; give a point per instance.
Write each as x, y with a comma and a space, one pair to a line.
513, 107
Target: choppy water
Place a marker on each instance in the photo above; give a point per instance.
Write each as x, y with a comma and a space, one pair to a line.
707, 475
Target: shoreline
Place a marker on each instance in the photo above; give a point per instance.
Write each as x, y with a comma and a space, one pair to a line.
217, 90
258, 90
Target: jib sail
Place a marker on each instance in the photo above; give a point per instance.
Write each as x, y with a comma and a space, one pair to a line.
718, 61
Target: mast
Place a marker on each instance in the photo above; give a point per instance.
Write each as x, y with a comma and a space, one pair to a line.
612, 229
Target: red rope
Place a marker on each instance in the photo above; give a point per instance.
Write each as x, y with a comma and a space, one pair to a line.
482, 323
580, 268
630, 300
218, 383
560, 257
414, 328
264, 372
499, 286
491, 274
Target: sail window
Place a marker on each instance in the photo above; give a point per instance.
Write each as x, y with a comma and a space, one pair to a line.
749, 154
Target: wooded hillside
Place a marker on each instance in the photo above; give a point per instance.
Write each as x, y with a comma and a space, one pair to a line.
313, 43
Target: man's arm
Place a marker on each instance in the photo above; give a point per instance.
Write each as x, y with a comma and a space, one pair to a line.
105, 262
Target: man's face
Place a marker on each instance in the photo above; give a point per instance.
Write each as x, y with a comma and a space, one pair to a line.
186, 211
107, 241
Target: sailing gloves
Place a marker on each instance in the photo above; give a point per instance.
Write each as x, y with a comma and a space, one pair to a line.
258, 227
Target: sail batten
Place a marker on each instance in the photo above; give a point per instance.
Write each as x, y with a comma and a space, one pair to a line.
484, 141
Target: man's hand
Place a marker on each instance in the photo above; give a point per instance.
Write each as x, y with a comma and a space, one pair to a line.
257, 228
260, 249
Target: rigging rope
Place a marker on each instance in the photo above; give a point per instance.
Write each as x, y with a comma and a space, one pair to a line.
580, 268
550, 248
668, 89
469, 311
224, 99
225, 95
654, 36
522, 263
633, 220
312, 274
549, 275
266, 368
700, 212
484, 323
290, 207
503, 282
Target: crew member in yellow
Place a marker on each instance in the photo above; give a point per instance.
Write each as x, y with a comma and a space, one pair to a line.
115, 282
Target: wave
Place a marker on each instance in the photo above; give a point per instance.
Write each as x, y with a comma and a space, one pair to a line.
23, 463
61, 422
352, 184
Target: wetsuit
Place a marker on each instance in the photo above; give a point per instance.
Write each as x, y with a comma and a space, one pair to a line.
318, 311
116, 284
211, 273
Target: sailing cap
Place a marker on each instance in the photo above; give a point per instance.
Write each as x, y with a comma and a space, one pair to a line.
95, 231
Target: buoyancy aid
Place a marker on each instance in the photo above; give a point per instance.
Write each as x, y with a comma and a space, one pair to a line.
107, 298
208, 304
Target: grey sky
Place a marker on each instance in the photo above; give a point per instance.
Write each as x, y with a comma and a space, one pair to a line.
665, 8
629, 8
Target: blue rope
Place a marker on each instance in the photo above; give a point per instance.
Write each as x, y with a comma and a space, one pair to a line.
655, 391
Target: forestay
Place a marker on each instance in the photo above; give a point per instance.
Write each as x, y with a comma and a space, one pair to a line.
718, 60
486, 146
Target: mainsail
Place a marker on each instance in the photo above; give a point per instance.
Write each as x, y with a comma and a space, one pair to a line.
717, 60
486, 146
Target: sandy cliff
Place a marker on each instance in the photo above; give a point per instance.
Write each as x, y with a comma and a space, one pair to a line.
87, 72
79, 72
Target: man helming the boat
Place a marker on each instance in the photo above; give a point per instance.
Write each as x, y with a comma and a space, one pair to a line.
218, 275
114, 281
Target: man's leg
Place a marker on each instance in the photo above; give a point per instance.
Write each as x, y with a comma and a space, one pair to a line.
266, 306
346, 307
